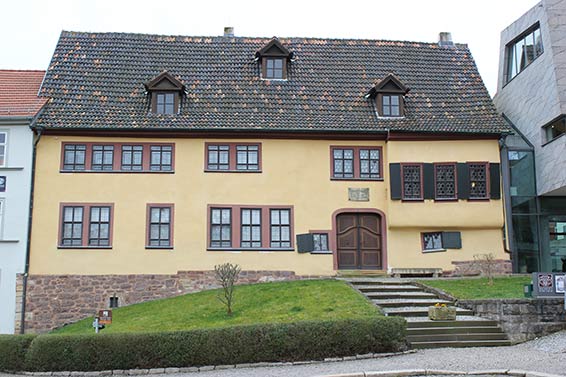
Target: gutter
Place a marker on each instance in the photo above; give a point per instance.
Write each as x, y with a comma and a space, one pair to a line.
37, 131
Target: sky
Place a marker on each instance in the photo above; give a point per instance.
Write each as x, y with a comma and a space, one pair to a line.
29, 29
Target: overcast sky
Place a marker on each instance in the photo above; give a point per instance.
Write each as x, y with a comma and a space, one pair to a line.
29, 29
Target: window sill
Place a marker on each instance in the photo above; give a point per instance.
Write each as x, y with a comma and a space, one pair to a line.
357, 179
8, 168
243, 249
550, 141
446, 200
433, 251
120, 171
85, 247
478, 199
322, 252
159, 247
9, 241
232, 171
412, 200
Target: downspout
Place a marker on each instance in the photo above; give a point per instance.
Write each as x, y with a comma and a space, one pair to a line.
38, 131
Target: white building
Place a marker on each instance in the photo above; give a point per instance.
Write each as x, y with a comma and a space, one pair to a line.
531, 94
19, 105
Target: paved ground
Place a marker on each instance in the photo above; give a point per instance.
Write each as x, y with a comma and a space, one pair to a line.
547, 355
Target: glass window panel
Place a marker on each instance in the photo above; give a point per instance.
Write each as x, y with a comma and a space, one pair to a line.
154, 231
226, 216
77, 230
68, 214
104, 231
338, 153
275, 236
274, 217
164, 232
338, 166
215, 232
278, 63
386, 110
226, 232
245, 216
224, 159
285, 217
242, 157
155, 157
364, 154
519, 55
395, 110
386, 101
256, 216
97, 158
94, 213
374, 167
348, 166
165, 215
69, 155
374, 154
348, 154
285, 233
364, 166
324, 242
93, 231
2, 137
78, 214
166, 158
212, 157
395, 100
216, 216
252, 158
67, 230
155, 215
246, 233
256, 233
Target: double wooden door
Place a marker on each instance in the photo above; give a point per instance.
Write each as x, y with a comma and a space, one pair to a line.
358, 241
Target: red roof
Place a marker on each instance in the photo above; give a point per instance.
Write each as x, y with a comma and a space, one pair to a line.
18, 92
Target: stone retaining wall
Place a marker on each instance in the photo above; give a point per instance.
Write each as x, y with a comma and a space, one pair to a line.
522, 319
55, 300
476, 267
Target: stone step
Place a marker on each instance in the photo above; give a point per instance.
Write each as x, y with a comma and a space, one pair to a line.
459, 323
400, 295
455, 337
431, 331
387, 288
415, 311
395, 303
469, 343
377, 281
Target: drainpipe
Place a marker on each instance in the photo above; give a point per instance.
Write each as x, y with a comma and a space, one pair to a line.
38, 131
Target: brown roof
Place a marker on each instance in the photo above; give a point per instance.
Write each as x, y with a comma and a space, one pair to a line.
18, 92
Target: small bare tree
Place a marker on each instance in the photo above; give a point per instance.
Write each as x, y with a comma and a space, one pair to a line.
486, 264
227, 275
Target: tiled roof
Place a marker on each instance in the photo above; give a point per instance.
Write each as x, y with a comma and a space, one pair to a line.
96, 80
18, 93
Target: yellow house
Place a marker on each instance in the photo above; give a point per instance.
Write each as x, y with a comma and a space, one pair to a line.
160, 157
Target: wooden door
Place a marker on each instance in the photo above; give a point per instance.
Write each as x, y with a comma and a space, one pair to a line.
358, 241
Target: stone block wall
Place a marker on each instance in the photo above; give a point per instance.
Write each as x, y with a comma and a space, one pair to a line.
474, 267
522, 319
55, 300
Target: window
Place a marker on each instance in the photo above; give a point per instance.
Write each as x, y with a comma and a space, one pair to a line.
102, 157
445, 181
74, 157
165, 103
221, 227
523, 50
390, 106
233, 157
3, 144
250, 227
320, 241
129, 158
412, 181
356, 163
478, 180
160, 226
161, 158
2, 210
132, 157
555, 128
280, 228
274, 69
432, 241
86, 225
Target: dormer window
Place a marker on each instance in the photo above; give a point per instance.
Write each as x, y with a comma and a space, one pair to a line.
273, 59
165, 93
389, 97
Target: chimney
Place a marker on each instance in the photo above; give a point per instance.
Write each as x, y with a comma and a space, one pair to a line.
229, 31
445, 39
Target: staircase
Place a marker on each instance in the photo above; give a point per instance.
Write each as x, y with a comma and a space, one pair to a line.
398, 297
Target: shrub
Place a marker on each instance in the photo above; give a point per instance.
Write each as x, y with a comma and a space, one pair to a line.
309, 340
13, 350
227, 275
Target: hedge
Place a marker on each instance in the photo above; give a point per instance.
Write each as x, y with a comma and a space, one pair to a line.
13, 350
309, 340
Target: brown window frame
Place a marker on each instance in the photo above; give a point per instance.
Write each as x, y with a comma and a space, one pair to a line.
171, 223
154, 101
320, 233
421, 168
356, 162
74, 150
431, 250
485, 165
85, 224
232, 157
117, 166
264, 69
454, 168
236, 227
131, 165
221, 225
103, 149
280, 227
379, 103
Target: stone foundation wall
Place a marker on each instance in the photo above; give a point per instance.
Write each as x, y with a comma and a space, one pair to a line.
522, 319
475, 267
55, 300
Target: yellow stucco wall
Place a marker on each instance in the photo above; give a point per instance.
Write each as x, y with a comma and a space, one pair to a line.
294, 172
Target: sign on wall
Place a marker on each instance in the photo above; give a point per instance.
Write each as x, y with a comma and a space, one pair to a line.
2, 183
549, 284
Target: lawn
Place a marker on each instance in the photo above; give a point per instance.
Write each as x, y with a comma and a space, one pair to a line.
478, 288
256, 303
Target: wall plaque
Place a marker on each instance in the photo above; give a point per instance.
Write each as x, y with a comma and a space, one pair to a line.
2, 183
358, 194
549, 284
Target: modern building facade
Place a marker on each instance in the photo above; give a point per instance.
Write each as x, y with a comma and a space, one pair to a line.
19, 105
531, 95
162, 156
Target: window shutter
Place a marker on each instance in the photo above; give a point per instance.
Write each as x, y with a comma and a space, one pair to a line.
395, 181
451, 240
463, 181
305, 243
494, 181
428, 178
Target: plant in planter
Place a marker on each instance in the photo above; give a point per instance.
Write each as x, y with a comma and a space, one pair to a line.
441, 312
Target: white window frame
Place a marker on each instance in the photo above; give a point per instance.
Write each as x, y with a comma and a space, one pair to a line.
5, 144
2, 211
